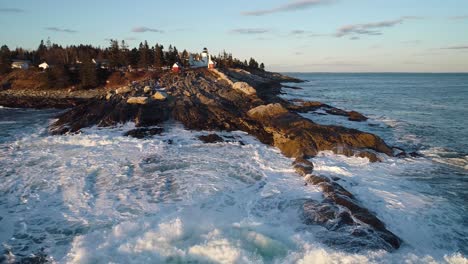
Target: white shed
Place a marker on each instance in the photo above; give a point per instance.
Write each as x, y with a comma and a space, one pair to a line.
20, 64
44, 66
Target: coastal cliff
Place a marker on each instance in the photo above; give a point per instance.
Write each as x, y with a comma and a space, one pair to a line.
235, 99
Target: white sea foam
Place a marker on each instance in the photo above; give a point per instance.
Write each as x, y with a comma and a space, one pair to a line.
101, 197
444, 156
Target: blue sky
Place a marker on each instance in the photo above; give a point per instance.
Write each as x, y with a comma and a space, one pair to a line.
287, 35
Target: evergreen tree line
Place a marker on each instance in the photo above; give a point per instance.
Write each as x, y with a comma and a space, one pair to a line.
74, 65
226, 60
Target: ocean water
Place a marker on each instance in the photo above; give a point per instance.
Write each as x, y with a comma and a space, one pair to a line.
100, 197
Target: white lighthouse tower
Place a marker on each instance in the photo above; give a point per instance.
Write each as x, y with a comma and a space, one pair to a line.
201, 61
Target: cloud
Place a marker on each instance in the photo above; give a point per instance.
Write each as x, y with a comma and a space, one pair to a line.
413, 17
291, 6
64, 30
11, 10
456, 47
372, 29
146, 29
412, 42
297, 32
458, 17
250, 31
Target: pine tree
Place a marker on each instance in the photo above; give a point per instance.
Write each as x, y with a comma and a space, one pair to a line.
158, 56
88, 74
134, 57
144, 58
114, 54
124, 54
262, 66
5, 59
253, 64
41, 52
185, 58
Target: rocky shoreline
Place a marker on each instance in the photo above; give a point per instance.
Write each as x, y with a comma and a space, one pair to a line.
235, 99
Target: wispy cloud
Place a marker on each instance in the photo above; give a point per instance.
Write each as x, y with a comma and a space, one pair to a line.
146, 29
462, 47
297, 32
412, 42
250, 31
11, 10
300, 33
459, 17
291, 6
413, 17
370, 29
63, 30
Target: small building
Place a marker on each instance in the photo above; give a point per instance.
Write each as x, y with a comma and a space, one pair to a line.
203, 61
44, 66
211, 64
101, 63
20, 64
176, 68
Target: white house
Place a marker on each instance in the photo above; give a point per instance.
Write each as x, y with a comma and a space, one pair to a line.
20, 64
201, 62
43, 66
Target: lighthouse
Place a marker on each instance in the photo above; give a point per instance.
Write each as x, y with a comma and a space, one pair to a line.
202, 61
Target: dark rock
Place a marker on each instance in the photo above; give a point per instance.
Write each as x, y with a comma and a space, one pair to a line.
355, 116
352, 115
303, 166
143, 132
318, 213
316, 179
211, 138
415, 154
305, 106
336, 111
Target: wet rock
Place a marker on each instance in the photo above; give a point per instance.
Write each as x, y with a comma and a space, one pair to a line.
352, 115
143, 132
316, 179
318, 213
415, 154
335, 218
137, 100
305, 106
302, 166
336, 111
355, 116
110, 113
211, 138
